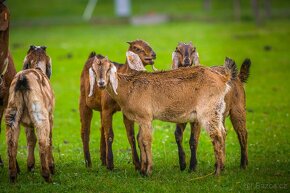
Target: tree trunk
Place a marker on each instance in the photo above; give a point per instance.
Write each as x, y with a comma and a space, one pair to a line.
256, 12
237, 9
267, 4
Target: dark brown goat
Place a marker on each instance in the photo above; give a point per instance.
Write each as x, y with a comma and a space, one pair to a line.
31, 103
93, 98
7, 69
235, 101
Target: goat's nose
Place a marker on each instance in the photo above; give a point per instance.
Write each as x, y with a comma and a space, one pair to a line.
186, 61
101, 83
154, 55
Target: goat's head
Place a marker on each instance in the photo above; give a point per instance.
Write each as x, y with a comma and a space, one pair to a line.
144, 51
4, 17
37, 58
184, 55
103, 72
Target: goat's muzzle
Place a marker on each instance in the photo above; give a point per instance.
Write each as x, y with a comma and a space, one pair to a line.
186, 62
101, 84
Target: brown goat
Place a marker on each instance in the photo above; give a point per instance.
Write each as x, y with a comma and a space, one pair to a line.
7, 69
144, 97
31, 103
235, 101
93, 98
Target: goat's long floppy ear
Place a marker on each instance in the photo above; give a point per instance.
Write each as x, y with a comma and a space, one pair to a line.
48, 70
196, 58
92, 78
26, 64
134, 61
174, 60
113, 78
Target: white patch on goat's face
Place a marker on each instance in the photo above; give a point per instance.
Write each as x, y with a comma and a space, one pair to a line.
36, 112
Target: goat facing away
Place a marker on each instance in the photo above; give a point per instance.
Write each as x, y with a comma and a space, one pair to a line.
93, 98
235, 101
7, 69
144, 97
31, 103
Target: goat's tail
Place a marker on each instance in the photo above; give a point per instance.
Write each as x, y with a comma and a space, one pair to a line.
231, 67
22, 83
245, 70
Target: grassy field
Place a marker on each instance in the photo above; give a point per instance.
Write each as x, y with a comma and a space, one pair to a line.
268, 107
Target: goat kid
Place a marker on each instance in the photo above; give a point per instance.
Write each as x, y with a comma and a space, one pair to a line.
31, 103
144, 97
93, 98
7, 69
235, 101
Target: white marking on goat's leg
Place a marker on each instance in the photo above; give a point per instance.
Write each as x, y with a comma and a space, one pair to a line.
37, 113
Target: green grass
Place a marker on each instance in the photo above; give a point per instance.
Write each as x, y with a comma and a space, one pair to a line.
268, 105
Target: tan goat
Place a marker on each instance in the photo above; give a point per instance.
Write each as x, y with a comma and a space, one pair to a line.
235, 101
31, 103
93, 98
144, 97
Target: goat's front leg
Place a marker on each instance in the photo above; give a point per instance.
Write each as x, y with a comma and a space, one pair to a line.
145, 141
1, 115
179, 138
193, 143
107, 116
131, 138
12, 135
86, 116
31, 141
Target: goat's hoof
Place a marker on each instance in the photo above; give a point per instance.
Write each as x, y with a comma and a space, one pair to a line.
88, 163
192, 169
17, 168
47, 178
137, 167
182, 166
30, 168
52, 169
12, 178
110, 167
244, 164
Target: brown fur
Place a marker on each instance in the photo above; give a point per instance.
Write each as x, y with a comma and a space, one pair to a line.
235, 108
5, 76
31, 103
139, 97
101, 101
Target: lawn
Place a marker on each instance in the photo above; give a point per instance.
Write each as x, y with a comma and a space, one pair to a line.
268, 110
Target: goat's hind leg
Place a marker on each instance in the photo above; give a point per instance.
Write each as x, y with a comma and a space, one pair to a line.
238, 119
179, 138
12, 135
31, 142
217, 139
44, 147
131, 138
50, 155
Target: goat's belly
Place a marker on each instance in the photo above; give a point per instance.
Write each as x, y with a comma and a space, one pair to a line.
177, 117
